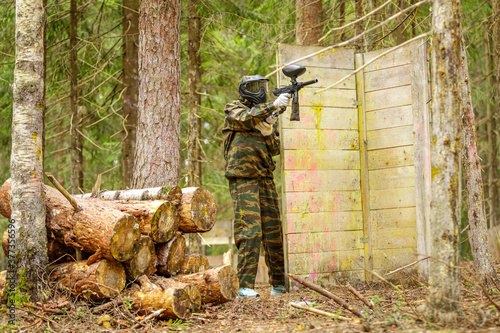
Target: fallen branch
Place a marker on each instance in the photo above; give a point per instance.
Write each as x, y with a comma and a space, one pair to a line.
142, 322
42, 309
41, 317
320, 312
358, 295
63, 191
116, 302
406, 266
326, 293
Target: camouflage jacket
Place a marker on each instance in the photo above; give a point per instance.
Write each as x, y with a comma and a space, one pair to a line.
247, 152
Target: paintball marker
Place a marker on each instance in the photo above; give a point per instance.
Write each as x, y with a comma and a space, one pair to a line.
293, 71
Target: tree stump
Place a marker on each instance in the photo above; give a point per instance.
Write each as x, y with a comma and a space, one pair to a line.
194, 263
170, 255
190, 289
144, 262
216, 285
150, 297
197, 210
102, 279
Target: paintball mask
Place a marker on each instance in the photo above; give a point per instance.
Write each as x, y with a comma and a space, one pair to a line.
254, 88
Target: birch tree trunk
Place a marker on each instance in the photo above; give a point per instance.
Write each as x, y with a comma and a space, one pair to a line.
444, 282
309, 21
76, 127
494, 182
194, 121
156, 161
26, 166
472, 174
130, 86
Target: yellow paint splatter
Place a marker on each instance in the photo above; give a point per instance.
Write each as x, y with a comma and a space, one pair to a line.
318, 113
435, 171
39, 148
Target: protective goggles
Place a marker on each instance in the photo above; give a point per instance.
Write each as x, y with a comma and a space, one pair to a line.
253, 87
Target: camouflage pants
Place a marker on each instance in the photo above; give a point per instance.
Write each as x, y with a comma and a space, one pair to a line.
256, 220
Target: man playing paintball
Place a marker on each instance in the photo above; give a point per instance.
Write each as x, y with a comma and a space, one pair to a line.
250, 142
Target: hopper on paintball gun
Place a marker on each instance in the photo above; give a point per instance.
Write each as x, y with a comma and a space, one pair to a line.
293, 71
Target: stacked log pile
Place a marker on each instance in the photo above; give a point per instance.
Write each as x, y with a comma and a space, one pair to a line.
97, 242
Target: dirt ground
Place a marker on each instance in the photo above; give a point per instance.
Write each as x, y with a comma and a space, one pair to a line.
395, 309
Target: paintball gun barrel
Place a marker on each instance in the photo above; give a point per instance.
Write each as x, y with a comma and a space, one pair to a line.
293, 71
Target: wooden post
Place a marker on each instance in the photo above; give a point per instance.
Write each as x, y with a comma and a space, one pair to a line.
365, 191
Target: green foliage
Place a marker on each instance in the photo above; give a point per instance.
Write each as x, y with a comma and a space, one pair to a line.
237, 38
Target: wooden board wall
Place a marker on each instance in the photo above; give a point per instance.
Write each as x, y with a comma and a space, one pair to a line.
350, 186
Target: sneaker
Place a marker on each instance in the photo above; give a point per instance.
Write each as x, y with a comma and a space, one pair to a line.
247, 292
275, 290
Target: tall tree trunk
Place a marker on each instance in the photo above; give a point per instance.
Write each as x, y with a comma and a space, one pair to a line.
401, 31
444, 282
359, 25
194, 121
494, 182
76, 127
342, 18
26, 167
156, 161
130, 86
309, 21
472, 172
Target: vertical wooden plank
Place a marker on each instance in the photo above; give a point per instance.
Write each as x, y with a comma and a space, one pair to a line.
365, 191
284, 224
422, 154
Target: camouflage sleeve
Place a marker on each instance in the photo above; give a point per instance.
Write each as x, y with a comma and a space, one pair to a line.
273, 141
242, 118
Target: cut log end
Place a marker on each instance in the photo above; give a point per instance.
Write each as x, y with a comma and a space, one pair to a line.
194, 263
102, 279
216, 285
150, 297
111, 276
144, 262
170, 255
125, 240
229, 289
165, 222
197, 209
174, 194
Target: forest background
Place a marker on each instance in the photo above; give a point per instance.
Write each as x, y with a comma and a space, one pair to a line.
236, 38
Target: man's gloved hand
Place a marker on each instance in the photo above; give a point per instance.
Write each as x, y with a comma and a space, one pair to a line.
265, 128
282, 100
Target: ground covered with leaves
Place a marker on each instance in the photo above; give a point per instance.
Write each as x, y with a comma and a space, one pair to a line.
393, 308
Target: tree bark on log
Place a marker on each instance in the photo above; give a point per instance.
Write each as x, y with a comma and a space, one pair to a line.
170, 255
149, 297
165, 193
157, 219
3, 282
216, 285
194, 263
190, 289
197, 209
102, 279
55, 250
144, 262
93, 228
